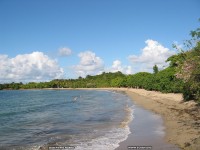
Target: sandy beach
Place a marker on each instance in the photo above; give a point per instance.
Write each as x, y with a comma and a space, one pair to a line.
147, 130
181, 119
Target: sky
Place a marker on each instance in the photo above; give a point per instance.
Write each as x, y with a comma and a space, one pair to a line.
41, 40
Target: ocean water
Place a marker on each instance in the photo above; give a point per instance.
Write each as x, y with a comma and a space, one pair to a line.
84, 119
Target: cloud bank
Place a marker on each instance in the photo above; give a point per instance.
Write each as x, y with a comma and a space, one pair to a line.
89, 64
37, 66
29, 67
153, 53
117, 66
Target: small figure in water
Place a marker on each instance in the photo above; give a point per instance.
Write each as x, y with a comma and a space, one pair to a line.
75, 98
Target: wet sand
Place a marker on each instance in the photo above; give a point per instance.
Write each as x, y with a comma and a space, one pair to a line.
181, 119
147, 130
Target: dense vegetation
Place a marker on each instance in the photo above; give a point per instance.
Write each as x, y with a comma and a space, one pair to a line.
188, 67
182, 76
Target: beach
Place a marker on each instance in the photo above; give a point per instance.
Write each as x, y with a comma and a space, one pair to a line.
181, 119
147, 130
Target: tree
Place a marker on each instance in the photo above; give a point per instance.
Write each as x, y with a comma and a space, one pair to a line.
155, 69
118, 82
188, 69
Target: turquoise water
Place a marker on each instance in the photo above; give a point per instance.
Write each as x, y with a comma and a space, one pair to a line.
30, 119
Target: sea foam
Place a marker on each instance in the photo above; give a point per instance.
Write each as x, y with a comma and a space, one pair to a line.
112, 138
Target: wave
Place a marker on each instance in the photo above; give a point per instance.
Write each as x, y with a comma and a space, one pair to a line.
112, 138
53, 120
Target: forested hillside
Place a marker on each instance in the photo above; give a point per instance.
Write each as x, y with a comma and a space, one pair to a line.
181, 76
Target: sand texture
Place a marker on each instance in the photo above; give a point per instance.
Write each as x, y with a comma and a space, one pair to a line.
181, 119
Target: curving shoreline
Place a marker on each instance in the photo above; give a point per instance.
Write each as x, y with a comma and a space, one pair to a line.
181, 119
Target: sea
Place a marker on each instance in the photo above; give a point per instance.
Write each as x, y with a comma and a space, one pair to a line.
64, 119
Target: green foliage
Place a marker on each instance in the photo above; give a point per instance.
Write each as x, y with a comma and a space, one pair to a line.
191, 74
167, 82
118, 82
138, 80
175, 60
188, 67
164, 81
155, 69
192, 91
13, 86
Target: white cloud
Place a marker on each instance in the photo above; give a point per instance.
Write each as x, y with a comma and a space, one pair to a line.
89, 64
153, 53
117, 66
64, 51
29, 67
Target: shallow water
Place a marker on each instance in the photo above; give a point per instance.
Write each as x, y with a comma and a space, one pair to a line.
30, 119
147, 130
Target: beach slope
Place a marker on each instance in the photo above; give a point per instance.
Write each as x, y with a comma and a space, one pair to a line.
181, 119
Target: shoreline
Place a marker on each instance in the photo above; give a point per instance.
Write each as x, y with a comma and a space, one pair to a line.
181, 119
147, 130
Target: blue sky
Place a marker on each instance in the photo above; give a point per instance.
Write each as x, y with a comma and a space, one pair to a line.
43, 40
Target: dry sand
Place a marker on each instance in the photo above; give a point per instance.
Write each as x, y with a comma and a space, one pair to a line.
181, 119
